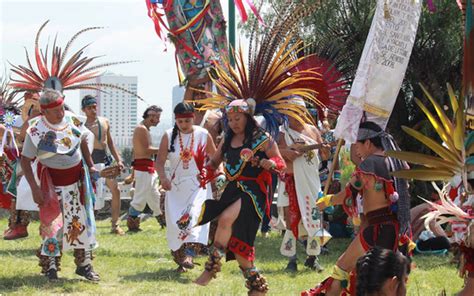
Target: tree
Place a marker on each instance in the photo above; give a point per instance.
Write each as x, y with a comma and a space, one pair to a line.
436, 59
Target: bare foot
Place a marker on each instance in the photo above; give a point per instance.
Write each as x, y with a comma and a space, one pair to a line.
204, 278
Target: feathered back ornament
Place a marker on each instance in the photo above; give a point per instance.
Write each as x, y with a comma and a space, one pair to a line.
445, 210
452, 157
56, 70
270, 76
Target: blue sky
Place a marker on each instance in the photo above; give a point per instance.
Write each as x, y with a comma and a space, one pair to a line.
128, 35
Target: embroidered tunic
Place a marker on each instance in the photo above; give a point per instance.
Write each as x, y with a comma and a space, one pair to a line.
67, 216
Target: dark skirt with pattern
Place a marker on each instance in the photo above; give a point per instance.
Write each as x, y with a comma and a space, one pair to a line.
245, 227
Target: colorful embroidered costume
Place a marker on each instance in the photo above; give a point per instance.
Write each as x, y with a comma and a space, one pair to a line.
183, 202
67, 217
383, 227
299, 193
250, 184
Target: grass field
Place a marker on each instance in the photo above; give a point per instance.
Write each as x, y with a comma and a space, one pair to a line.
140, 264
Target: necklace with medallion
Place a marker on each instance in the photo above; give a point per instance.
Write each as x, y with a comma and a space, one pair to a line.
186, 153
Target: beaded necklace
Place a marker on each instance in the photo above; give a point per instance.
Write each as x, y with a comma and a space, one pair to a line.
186, 154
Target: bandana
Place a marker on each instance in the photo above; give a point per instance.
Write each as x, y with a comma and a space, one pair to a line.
365, 134
88, 101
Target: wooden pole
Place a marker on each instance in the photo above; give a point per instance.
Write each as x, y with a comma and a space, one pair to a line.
333, 166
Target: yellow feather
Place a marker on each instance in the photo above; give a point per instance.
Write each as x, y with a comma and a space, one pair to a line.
437, 126
430, 143
453, 99
426, 160
459, 130
424, 174
448, 126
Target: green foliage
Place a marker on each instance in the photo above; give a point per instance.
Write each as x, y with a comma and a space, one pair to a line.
346, 165
141, 264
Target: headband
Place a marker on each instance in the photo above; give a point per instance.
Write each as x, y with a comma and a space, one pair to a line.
87, 101
365, 133
184, 115
58, 102
237, 106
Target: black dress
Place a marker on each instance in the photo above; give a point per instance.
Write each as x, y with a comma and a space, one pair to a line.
250, 184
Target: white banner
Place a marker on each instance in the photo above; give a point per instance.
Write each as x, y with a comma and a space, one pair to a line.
382, 66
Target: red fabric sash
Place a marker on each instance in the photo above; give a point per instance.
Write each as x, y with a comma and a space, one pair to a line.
49, 178
144, 165
294, 208
63, 177
264, 181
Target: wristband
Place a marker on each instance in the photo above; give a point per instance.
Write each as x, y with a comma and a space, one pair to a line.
326, 200
279, 163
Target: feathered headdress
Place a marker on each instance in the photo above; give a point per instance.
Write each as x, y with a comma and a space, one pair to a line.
452, 158
270, 77
69, 73
8, 97
445, 210
334, 85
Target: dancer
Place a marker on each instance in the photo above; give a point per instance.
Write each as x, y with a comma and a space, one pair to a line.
248, 154
372, 179
382, 272
259, 86
146, 178
18, 220
100, 127
181, 145
64, 196
58, 141
299, 191
22, 201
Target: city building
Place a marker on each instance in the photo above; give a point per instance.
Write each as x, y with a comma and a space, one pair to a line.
119, 107
176, 97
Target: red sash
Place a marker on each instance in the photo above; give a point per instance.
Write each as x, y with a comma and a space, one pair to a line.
144, 165
63, 177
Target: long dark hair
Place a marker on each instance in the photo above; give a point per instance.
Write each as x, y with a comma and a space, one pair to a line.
377, 266
250, 129
181, 108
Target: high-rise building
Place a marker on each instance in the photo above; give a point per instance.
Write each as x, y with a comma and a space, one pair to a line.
119, 107
177, 96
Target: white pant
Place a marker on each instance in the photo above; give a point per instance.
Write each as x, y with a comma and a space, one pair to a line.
146, 192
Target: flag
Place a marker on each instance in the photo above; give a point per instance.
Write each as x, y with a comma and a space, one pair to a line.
382, 66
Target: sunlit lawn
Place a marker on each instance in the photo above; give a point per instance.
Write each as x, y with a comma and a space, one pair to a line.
138, 264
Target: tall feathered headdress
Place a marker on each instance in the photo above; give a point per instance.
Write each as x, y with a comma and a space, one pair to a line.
8, 97
270, 78
327, 58
56, 67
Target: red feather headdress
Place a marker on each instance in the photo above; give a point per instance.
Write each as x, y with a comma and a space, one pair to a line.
72, 72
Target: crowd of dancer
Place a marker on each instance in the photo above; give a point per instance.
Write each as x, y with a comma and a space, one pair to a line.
230, 184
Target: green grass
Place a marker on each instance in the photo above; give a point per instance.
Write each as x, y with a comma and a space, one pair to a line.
140, 264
